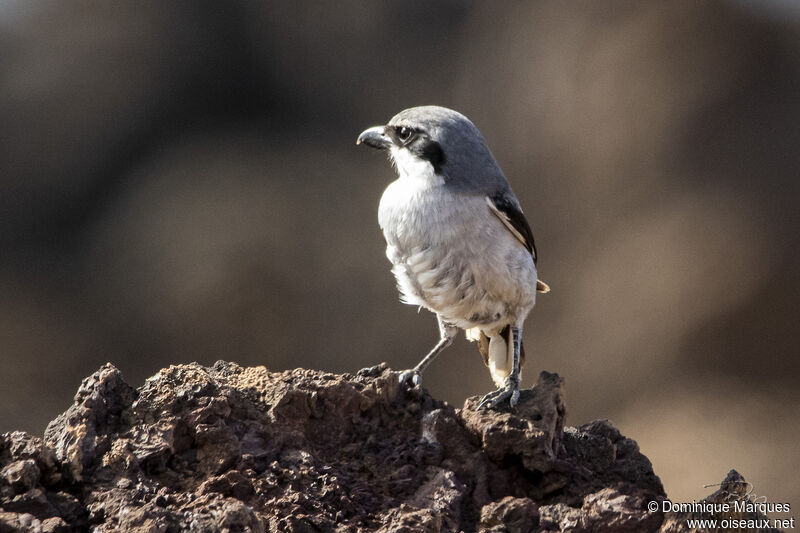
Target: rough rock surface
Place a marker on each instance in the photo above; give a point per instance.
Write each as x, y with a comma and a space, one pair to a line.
228, 448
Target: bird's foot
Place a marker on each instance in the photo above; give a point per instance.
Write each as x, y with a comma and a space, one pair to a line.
509, 391
372, 371
412, 377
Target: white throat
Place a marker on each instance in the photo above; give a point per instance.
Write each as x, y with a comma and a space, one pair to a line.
412, 167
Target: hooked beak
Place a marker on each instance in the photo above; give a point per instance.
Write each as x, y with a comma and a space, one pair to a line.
375, 137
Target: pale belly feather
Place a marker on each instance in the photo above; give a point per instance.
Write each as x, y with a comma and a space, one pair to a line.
451, 255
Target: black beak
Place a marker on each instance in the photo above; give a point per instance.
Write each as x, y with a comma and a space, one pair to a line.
375, 137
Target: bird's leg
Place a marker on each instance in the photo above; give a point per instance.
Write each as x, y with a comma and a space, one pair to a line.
510, 390
447, 332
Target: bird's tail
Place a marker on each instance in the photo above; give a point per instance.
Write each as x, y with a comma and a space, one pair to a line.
500, 356
497, 352
542, 287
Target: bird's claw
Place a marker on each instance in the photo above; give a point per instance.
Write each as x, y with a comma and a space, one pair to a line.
509, 391
372, 371
413, 376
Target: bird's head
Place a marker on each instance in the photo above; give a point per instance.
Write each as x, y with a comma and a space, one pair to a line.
433, 139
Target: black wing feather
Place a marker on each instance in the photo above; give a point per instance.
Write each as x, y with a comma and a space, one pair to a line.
509, 208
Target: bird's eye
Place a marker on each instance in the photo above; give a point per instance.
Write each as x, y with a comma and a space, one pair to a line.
404, 134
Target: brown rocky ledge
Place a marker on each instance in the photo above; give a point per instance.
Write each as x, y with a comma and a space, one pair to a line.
228, 448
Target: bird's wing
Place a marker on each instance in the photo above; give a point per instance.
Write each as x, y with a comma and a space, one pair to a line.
510, 214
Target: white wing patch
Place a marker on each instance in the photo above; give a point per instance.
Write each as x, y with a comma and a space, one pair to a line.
506, 222
541, 286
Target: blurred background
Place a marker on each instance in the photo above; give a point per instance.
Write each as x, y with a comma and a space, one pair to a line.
179, 181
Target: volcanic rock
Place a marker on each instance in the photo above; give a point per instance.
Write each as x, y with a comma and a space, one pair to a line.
227, 448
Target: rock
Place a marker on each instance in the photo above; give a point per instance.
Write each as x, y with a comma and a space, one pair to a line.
227, 448
604, 510
733, 488
19, 446
531, 432
21, 475
82, 434
514, 515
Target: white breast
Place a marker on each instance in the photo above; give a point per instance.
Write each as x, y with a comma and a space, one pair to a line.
450, 254
416, 180
410, 166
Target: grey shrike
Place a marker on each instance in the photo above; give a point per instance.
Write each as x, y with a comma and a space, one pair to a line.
457, 239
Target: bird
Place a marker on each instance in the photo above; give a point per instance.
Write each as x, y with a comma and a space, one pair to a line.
458, 241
